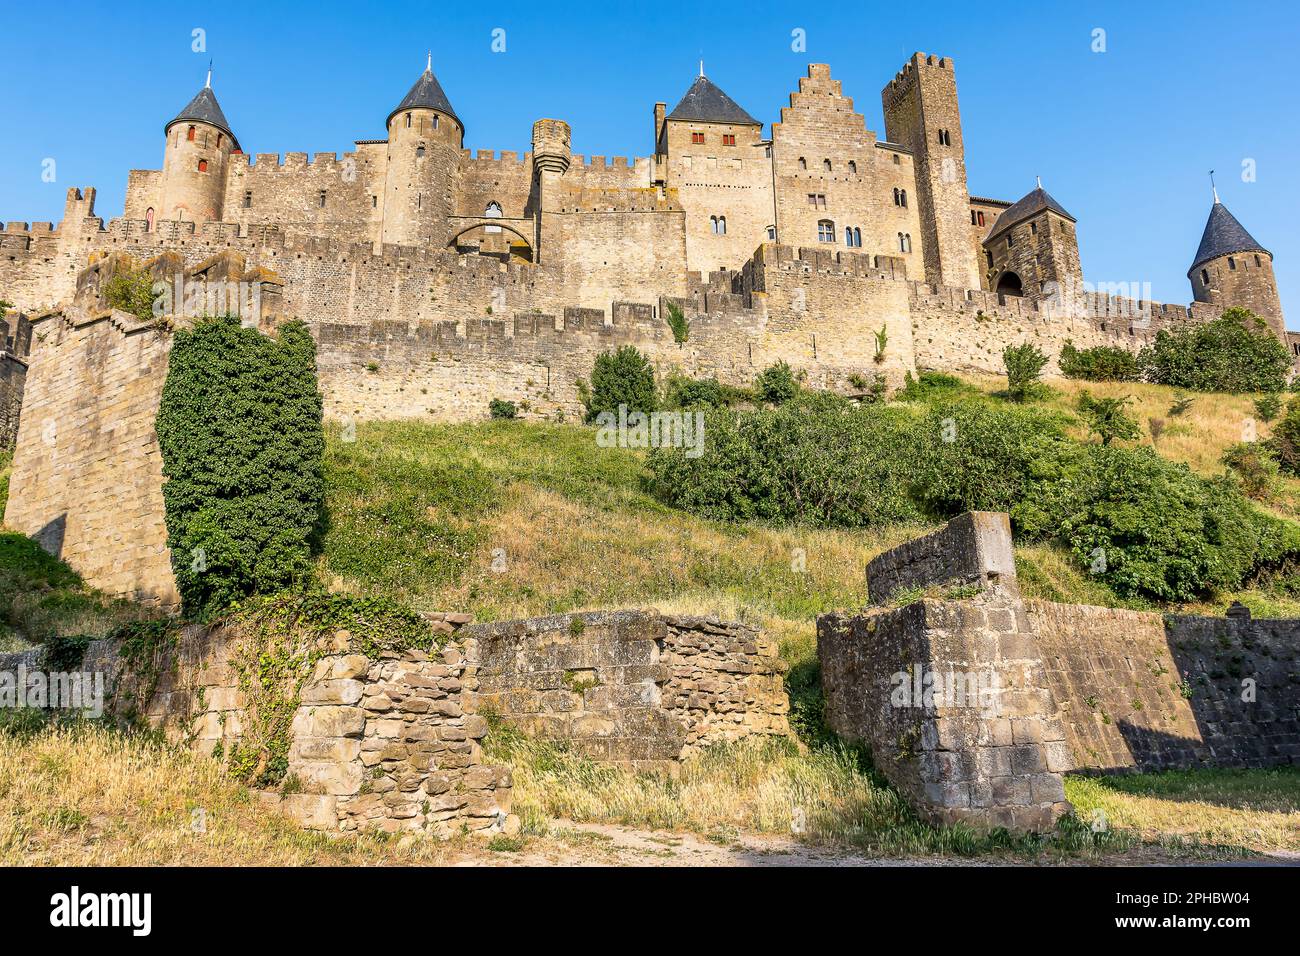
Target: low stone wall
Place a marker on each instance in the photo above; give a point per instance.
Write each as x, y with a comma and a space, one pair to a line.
634, 688
950, 698
1076, 687
1138, 691
389, 742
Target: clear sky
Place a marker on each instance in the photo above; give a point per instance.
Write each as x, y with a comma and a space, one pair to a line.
1122, 138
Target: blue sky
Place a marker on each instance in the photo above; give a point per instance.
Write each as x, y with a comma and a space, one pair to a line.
1123, 138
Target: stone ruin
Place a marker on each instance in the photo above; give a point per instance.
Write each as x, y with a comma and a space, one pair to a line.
975, 702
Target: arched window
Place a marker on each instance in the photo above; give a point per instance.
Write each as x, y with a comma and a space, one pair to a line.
857, 237
826, 165
1232, 264
848, 235
1009, 284
803, 163
492, 211
435, 120
900, 197
408, 120
944, 138
853, 167
904, 242
718, 225
190, 134
419, 151
148, 219
825, 231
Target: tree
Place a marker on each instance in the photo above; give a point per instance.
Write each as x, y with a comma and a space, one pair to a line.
776, 384
1024, 364
1107, 419
131, 290
1235, 353
624, 377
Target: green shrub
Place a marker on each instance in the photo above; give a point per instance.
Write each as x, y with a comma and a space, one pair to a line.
1102, 363
681, 391
677, 321
131, 290
499, 408
814, 459
776, 384
619, 378
929, 386
1024, 364
1160, 531
1268, 407
242, 444
1285, 441
1106, 418
1235, 353
1255, 467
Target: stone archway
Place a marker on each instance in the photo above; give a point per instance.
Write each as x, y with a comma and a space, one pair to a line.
1009, 284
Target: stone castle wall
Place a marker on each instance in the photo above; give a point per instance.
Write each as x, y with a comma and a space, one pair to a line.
15, 344
87, 470
1065, 687
632, 687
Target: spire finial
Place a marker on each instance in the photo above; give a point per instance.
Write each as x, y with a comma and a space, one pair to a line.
1213, 188
1039, 181
208, 84
428, 63
701, 66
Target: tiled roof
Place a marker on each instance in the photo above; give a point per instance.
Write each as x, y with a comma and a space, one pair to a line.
704, 102
426, 94
1026, 208
204, 108
1223, 235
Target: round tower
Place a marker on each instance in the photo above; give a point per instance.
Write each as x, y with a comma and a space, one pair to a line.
199, 144
1232, 269
424, 144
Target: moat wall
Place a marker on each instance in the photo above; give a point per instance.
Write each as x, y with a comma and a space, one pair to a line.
1042, 688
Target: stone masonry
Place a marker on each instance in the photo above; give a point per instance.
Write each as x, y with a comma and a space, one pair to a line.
634, 688
1041, 688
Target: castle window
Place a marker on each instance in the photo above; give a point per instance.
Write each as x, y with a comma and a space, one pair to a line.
825, 231
190, 135
408, 120
826, 165
321, 199
944, 138
853, 168
817, 199
853, 237
1258, 264
771, 233
904, 242
988, 259
972, 217
374, 202
1232, 264
767, 152
803, 163
697, 138
435, 120
148, 219
718, 225
900, 197
219, 139
419, 151
1010, 241
728, 139
248, 200
1033, 228
203, 165
1205, 277
981, 218
897, 160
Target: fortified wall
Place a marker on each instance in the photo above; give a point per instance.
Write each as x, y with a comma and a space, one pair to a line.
15, 344
974, 702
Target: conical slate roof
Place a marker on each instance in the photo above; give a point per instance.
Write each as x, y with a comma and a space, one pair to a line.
204, 108
425, 94
1028, 207
1223, 236
704, 102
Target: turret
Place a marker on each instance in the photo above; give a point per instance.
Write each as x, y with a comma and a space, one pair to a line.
551, 157
1033, 250
199, 144
424, 143
1232, 269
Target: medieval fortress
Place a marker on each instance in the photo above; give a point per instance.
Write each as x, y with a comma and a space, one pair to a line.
435, 280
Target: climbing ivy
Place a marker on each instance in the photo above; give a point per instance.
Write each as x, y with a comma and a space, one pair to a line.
242, 445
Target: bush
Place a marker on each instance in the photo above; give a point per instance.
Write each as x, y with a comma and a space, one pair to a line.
1255, 467
240, 431
1106, 418
1268, 407
1235, 353
1103, 363
1024, 364
683, 392
131, 290
814, 459
776, 384
498, 408
1285, 442
1161, 531
619, 378
677, 321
